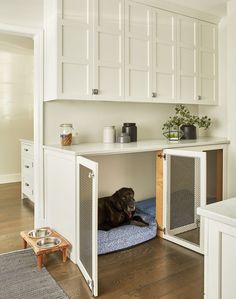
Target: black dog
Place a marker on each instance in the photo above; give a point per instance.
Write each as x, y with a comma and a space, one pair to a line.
117, 210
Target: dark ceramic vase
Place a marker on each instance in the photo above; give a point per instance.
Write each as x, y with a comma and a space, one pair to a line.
189, 132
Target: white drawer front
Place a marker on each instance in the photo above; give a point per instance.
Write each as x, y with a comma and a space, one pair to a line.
27, 187
27, 149
27, 167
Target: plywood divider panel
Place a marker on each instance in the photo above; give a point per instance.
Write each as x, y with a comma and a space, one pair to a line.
159, 192
219, 175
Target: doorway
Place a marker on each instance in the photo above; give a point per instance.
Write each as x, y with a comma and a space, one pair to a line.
10, 191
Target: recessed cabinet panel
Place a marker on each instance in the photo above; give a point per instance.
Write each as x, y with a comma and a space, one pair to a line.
109, 50
76, 10
75, 42
113, 43
208, 36
109, 14
164, 56
187, 31
139, 83
208, 63
109, 79
165, 84
138, 23
187, 59
208, 89
138, 52
187, 88
165, 26
75, 79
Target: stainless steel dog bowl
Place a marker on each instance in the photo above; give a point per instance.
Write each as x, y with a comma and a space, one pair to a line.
48, 242
39, 233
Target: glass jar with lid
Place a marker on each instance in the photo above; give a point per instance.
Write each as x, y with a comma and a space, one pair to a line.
66, 134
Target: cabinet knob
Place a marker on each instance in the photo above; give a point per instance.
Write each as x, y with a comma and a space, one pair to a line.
199, 98
154, 94
26, 184
26, 166
95, 91
26, 149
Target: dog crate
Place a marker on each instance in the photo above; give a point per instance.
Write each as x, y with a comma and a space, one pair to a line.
191, 178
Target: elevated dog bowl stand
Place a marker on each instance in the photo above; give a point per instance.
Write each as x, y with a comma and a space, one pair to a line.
39, 252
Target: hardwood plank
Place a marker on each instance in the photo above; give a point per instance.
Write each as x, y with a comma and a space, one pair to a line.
155, 269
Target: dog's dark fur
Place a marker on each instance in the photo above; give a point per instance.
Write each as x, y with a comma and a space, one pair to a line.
117, 210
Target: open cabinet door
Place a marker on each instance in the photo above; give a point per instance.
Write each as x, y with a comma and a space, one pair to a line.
87, 227
184, 191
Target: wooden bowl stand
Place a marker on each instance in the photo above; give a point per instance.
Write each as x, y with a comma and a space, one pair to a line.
63, 247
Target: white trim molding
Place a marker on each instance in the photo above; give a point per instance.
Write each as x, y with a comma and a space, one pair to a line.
10, 178
37, 35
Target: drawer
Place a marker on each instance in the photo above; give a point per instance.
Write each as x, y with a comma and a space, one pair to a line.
27, 187
27, 167
27, 149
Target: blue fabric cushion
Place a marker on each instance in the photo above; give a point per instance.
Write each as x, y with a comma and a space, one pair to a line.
129, 235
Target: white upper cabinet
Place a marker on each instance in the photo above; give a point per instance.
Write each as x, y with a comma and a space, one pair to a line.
208, 63
68, 49
164, 56
121, 50
138, 52
109, 50
187, 56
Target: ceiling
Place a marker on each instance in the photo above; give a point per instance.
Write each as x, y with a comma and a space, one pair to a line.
214, 7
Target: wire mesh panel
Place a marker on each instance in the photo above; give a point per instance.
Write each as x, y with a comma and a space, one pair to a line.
85, 218
184, 198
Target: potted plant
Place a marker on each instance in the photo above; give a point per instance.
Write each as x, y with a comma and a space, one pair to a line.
185, 123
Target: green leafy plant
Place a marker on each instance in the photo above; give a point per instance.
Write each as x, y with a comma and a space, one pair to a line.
184, 117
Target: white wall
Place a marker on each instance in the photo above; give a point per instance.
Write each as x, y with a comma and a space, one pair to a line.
89, 118
16, 101
27, 13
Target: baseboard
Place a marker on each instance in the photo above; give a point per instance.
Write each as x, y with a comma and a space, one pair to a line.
10, 178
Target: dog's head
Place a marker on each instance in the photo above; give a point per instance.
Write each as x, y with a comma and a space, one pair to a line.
123, 200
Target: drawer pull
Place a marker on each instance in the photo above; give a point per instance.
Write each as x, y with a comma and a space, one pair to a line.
27, 166
26, 149
26, 184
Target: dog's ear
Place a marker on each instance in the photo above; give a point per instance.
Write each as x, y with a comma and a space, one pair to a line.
115, 199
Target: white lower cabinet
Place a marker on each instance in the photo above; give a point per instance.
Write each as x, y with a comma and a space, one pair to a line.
27, 169
192, 177
220, 248
71, 196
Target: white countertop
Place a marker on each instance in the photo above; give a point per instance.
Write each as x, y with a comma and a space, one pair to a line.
27, 141
133, 147
223, 211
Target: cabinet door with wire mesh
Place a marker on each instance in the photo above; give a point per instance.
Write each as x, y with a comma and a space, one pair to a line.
185, 183
87, 200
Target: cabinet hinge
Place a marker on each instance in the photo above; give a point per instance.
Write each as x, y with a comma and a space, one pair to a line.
162, 229
91, 285
91, 175
162, 156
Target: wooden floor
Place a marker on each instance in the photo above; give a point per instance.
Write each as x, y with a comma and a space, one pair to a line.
156, 269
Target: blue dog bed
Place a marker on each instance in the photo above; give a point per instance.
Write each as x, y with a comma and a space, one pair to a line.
130, 235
